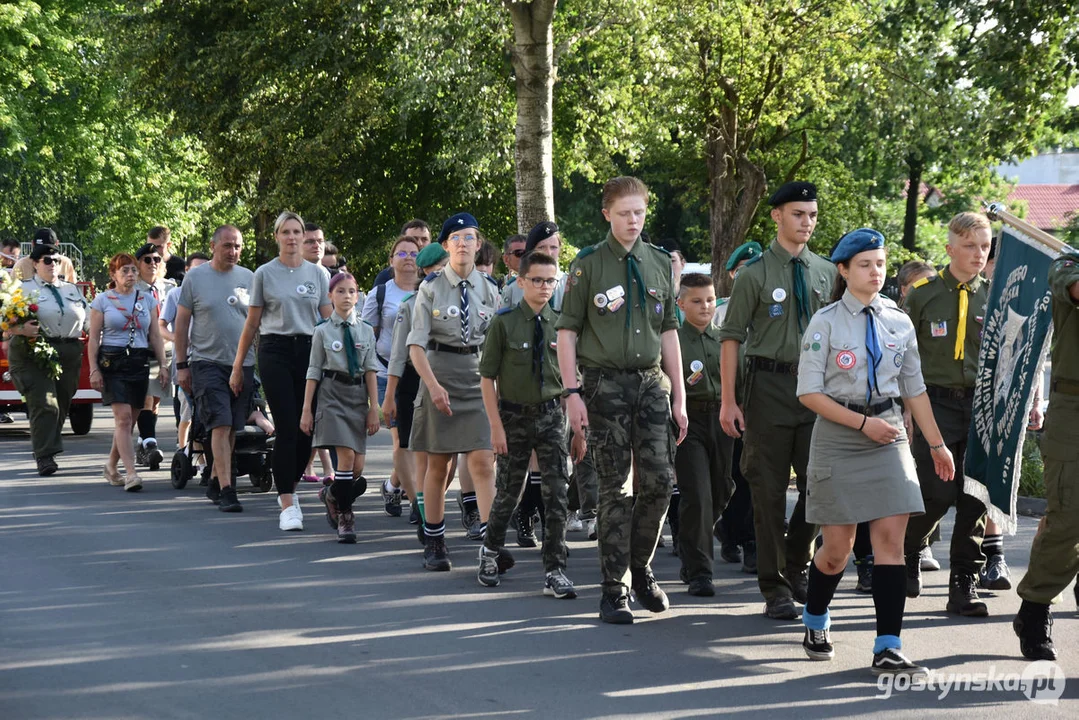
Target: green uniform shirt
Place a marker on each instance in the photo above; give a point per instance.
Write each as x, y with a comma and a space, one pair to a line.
1062, 273
700, 362
933, 306
619, 315
508, 355
762, 312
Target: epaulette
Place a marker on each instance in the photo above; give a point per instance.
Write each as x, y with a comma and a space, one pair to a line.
490, 279
665, 251
505, 310
432, 276
924, 281
323, 321
889, 303
585, 252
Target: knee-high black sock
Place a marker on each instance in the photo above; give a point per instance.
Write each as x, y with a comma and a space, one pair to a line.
672, 510
468, 500
147, 424
342, 490
821, 590
993, 545
889, 599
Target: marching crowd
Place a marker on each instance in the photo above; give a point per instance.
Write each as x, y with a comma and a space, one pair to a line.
608, 398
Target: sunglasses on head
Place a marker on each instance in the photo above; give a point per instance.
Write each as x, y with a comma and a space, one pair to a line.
151, 259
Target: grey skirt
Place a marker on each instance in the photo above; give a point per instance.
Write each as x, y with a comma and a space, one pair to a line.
467, 429
341, 416
852, 479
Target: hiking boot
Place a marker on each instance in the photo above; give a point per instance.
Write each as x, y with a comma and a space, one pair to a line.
559, 586
213, 491
526, 530
647, 591
332, 513
818, 644
799, 580
865, 574
435, 555
228, 502
391, 500
1034, 627
963, 597
701, 587
614, 609
729, 552
914, 575
476, 529
154, 456
995, 575
749, 558
346, 528
781, 608
47, 465
928, 562
488, 572
890, 661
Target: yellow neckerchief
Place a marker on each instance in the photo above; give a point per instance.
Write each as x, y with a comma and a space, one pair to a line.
961, 330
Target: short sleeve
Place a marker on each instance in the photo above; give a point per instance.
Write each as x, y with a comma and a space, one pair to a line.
740, 307
318, 355
491, 359
185, 297
324, 287
814, 358
399, 349
99, 303
369, 313
369, 361
574, 302
911, 383
255, 296
168, 311
670, 319
421, 316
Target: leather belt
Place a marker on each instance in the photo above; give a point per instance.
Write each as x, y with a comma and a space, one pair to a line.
770, 365
871, 411
466, 350
702, 406
343, 378
1067, 387
529, 408
942, 393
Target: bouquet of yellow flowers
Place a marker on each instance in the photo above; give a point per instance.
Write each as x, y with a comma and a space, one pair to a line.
17, 309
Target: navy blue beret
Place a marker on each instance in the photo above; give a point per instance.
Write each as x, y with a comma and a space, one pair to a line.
539, 233
745, 251
460, 221
793, 192
856, 241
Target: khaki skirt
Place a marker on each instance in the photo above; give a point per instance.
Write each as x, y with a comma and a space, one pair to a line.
467, 429
341, 416
852, 479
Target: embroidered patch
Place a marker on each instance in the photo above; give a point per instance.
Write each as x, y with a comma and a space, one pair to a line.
694, 378
898, 360
845, 359
659, 308
806, 346
816, 346
938, 328
775, 310
816, 336
779, 295
615, 304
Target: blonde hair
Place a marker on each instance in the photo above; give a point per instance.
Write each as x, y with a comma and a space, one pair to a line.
284, 218
620, 187
965, 223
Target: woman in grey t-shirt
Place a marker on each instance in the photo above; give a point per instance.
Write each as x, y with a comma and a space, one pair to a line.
288, 296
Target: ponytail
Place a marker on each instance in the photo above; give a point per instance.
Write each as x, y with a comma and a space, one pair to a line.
840, 286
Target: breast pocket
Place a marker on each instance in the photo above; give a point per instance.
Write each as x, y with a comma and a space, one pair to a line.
520, 353
776, 301
653, 306
843, 362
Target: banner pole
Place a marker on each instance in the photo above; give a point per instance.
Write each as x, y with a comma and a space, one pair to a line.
997, 212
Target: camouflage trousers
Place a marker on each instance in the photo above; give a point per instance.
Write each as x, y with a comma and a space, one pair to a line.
546, 433
629, 417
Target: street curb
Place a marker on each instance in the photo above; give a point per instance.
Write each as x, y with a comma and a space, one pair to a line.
1031, 507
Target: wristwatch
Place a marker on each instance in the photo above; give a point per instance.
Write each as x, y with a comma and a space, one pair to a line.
182, 365
570, 391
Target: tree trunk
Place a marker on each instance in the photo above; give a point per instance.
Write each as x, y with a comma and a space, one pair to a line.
914, 194
534, 68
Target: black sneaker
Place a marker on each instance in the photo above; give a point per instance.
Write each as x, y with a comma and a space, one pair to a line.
526, 530
781, 608
488, 572
963, 597
731, 553
647, 591
701, 587
1034, 628
391, 500
413, 514
865, 575
892, 662
332, 514
435, 555
614, 609
228, 502
818, 645
749, 558
914, 574
154, 456
558, 586
46, 465
476, 530
799, 580
995, 575
213, 491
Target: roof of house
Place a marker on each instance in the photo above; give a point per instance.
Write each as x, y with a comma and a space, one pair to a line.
1049, 207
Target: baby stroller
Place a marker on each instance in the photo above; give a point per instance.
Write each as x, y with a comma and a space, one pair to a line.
251, 456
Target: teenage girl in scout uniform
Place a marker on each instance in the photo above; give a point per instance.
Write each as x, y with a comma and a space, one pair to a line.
344, 371
859, 355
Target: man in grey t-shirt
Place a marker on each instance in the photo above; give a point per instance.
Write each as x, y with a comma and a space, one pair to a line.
213, 309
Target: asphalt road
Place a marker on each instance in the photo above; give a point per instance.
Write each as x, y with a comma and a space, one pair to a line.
156, 605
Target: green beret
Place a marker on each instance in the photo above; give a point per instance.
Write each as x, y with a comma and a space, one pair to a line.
431, 255
745, 251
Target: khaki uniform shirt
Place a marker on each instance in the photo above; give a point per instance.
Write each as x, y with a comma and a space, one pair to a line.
762, 312
508, 352
1062, 274
24, 269
402, 324
933, 306
66, 320
618, 322
835, 362
436, 316
328, 346
700, 362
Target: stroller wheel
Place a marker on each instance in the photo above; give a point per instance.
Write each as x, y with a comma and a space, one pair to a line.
180, 471
262, 479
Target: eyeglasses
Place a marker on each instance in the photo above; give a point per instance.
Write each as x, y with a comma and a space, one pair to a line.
406, 254
516, 253
50, 260
538, 282
461, 240
151, 259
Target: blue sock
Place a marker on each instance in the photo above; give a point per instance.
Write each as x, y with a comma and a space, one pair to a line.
817, 622
887, 641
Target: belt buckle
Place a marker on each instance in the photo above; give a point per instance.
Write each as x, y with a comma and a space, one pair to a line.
794, 369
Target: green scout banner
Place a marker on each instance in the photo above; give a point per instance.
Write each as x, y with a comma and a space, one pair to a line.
1015, 341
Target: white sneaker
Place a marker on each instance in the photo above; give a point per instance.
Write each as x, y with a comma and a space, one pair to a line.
573, 523
590, 528
928, 562
291, 518
295, 504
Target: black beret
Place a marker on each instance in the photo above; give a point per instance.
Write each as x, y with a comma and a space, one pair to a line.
145, 250
460, 221
42, 249
793, 192
539, 233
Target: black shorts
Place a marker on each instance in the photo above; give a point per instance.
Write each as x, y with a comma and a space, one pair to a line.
407, 389
126, 375
214, 402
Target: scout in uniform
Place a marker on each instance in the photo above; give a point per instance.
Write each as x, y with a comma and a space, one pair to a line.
1054, 556
152, 282
703, 460
526, 416
618, 322
947, 310
771, 302
343, 371
860, 355
453, 310
61, 318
